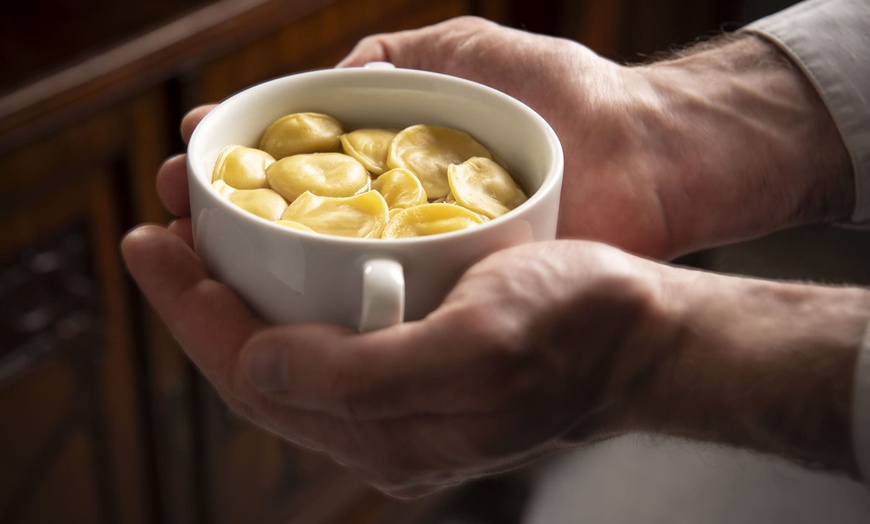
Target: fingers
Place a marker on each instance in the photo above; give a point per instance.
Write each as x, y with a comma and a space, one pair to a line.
172, 176
406, 456
430, 48
370, 49
447, 364
192, 119
209, 321
172, 185
182, 229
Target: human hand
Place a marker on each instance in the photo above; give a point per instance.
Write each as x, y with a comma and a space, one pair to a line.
537, 348
564, 342
723, 144
727, 142
522, 353
475, 354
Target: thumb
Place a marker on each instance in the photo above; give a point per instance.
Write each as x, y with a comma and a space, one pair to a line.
369, 49
286, 360
431, 48
192, 119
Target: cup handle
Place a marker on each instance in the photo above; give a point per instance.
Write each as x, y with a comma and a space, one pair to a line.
383, 294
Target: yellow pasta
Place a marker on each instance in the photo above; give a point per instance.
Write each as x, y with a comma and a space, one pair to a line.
360, 216
242, 167
483, 186
430, 219
264, 203
308, 174
370, 147
428, 151
302, 133
400, 188
324, 174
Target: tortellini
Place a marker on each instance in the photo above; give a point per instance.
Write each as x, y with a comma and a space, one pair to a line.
308, 174
429, 150
302, 133
264, 202
360, 216
483, 186
370, 147
324, 174
242, 167
401, 189
430, 219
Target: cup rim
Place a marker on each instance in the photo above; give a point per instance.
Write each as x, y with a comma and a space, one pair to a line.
196, 150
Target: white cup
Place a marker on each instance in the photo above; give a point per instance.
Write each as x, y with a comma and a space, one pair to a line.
287, 275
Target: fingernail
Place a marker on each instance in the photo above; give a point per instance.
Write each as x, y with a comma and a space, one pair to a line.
264, 369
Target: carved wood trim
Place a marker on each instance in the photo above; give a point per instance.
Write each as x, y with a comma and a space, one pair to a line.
59, 98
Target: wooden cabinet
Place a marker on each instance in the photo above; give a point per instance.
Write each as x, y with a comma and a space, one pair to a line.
102, 420
74, 439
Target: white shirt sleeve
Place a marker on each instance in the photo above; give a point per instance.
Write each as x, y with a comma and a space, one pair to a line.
830, 42
861, 410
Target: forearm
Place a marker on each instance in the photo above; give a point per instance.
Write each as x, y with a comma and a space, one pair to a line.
758, 150
758, 364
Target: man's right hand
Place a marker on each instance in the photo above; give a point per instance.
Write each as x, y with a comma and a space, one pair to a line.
726, 143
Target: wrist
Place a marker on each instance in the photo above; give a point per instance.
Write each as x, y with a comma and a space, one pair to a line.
756, 143
633, 368
757, 364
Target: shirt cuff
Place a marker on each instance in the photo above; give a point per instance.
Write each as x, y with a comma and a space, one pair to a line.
829, 39
861, 410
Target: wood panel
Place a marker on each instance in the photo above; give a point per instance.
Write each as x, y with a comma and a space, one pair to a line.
62, 97
65, 313
317, 41
636, 30
104, 419
36, 37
